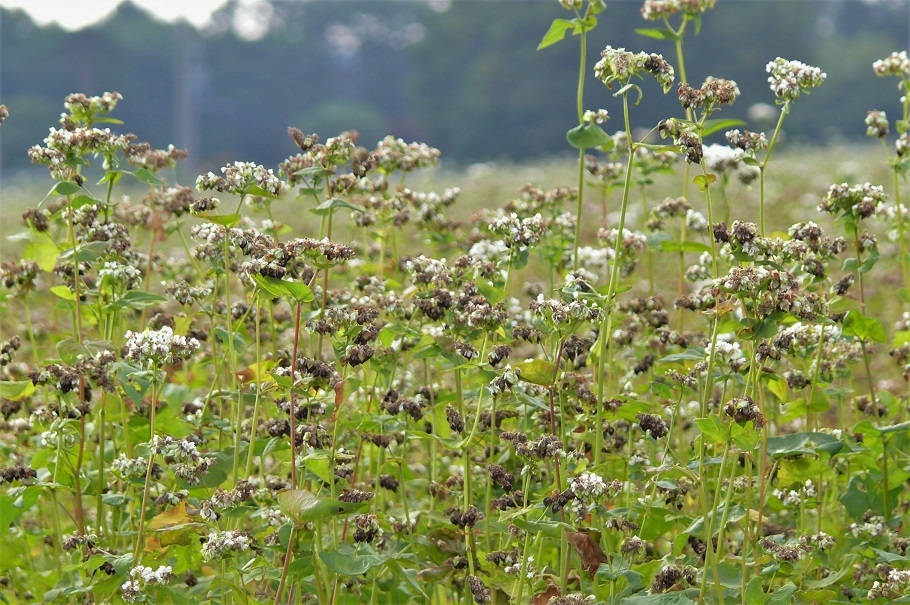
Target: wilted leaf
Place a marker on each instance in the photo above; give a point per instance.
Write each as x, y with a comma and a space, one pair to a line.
174, 516
544, 597
592, 555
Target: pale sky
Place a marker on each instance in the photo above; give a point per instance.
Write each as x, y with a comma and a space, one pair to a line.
73, 14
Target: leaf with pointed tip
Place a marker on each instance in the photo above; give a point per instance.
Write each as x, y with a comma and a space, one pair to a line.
588, 136
556, 33
303, 506
537, 371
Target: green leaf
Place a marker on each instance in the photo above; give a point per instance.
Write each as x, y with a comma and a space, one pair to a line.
870, 261
674, 246
712, 126
136, 299
799, 443
657, 34
260, 192
348, 562
703, 181
842, 304
661, 389
713, 429
697, 527
901, 338
145, 176
750, 161
692, 354
745, 437
520, 260
304, 506
228, 220
278, 288
755, 594
63, 292
332, 204
85, 253
863, 327
16, 389
782, 595
846, 568
557, 32
537, 371
43, 253
408, 575
895, 428
65, 188
669, 598
587, 136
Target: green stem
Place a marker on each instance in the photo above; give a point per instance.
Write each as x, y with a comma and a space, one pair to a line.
764, 164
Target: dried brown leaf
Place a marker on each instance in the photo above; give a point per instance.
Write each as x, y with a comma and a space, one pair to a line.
592, 555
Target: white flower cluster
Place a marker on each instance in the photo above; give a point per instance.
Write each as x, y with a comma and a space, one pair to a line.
61, 144
747, 140
79, 103
632, 241
595, 117
820, 541
82, 141
129, 468
561, 312
157, 348
700, 270
895, 64
722, 158
791, 78
515, 568
790, 498
727, 353
121, 273
871, 528
394, 154
239, 177
187, 294
223, 544
571, 4
142, 577
189, 464
489, 251
861, 200
504, 381
519, 232
895, 586
588, 487
655, 10
695, 221
619, 65
426, 270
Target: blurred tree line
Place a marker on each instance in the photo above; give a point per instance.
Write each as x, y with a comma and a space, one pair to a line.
462, 75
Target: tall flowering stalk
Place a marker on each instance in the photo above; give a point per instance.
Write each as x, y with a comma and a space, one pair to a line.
588, 133
618, 66
897, 64
788, 81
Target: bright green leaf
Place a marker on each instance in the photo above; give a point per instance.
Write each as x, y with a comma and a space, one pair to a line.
537, 371
557, 32
304, 506
588, 136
